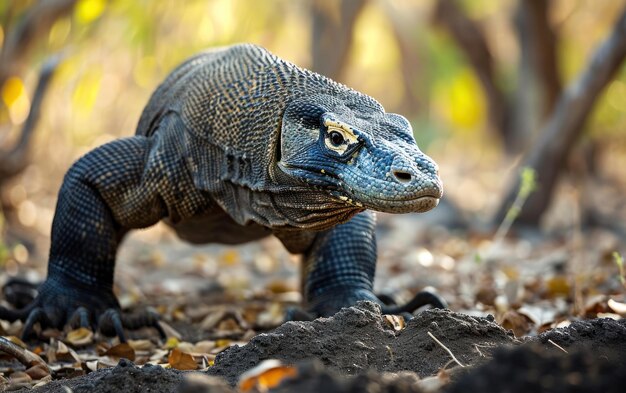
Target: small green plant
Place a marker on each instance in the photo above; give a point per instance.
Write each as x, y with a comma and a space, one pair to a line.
528, 184
619, 261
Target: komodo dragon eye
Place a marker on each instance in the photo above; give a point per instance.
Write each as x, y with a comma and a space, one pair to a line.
340, 137
336, 138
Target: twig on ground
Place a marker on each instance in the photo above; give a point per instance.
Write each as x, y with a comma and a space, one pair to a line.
479, 351
557, 345
446, 348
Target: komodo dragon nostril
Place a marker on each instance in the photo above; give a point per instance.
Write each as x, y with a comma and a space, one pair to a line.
402, 176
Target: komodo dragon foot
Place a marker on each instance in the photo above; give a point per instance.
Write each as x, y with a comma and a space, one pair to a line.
331, 302
59, 304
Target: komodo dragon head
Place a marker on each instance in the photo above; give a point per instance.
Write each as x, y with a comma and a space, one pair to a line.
361, 155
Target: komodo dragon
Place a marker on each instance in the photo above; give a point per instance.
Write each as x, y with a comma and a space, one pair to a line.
236, 145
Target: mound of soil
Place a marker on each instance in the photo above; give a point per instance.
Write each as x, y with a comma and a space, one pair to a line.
603, 336
125, 377
532, 368
359, 338
358, 350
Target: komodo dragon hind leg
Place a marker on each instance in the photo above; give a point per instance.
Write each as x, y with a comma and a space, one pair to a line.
89, 223
340, 268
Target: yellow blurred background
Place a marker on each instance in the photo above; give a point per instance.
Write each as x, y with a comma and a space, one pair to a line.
116, 52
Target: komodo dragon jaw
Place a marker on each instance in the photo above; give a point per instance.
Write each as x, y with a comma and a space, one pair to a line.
363, 158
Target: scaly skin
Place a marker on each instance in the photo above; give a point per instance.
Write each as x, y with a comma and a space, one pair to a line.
236, 145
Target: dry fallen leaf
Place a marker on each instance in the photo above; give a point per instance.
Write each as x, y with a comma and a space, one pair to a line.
558, 286
223, 342
19, 376
158, 355
92, 365
204, 346
618, 307
229, 258
38, 371
141, 345
80, 337
395, 321
211, 320
122, 350
266, 375
520, 324
539, 315
17, 341
181, 360
172, 342
611, 315
43, 381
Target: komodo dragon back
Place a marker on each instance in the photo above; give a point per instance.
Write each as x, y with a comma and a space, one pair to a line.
233, 98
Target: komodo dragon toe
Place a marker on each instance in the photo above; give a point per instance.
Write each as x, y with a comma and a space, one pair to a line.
60, 304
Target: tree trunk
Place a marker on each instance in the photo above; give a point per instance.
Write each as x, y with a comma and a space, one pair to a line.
333, 21
551, 149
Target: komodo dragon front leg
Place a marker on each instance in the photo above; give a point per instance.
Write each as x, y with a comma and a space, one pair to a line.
339, 271
85, 237
340, 266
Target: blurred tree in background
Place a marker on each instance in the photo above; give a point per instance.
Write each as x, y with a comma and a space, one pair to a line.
482, 82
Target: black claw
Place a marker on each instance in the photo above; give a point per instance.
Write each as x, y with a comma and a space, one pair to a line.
153, 321
298, 314
157, 326
110, 324
423, 298
37, 315
80, 319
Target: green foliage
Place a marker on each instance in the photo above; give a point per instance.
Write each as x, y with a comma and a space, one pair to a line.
528, 184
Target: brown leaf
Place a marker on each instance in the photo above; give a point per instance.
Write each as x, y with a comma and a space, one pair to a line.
38, 371
102, 348
229, 325
19, 376
17, 341
266, 375
122, 350
158, 355
141, 345
519, 323
80, 337
43, 381
618, 307
92, 365
558, 286
395, 321
204, 346
65, 353
181, 360
170, 331
212, 320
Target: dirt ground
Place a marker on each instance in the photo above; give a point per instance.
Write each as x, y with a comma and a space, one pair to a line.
359, 342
